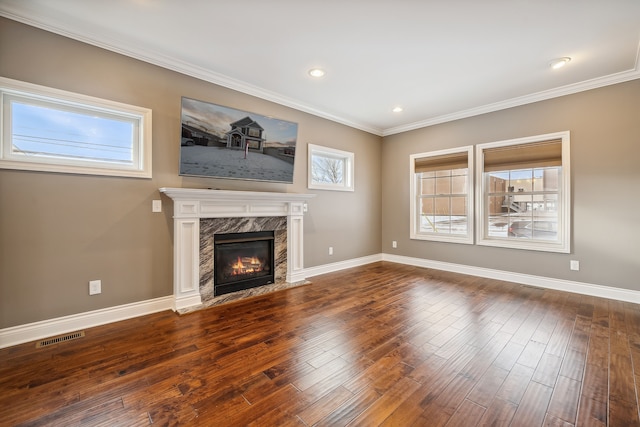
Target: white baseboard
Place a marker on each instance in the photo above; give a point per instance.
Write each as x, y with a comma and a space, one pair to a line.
48, 328
186, 301
61, 325
601, 291
341, 265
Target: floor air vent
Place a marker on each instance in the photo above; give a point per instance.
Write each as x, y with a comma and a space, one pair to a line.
60, 338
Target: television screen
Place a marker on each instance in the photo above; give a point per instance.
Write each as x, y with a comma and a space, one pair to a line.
222, 142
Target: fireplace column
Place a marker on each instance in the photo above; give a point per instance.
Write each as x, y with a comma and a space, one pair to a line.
186, 263
295, 261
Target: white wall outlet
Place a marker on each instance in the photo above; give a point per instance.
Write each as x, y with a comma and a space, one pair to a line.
394, 244
95, 287
330, 250
156, 206
574, 265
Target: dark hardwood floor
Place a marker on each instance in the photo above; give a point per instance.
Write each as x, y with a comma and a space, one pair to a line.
383, 344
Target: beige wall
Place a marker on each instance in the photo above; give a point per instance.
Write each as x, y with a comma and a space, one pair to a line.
605, 155
59, 231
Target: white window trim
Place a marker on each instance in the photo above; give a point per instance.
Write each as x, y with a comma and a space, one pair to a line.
414, 218
564, 196
347, 157
143, 162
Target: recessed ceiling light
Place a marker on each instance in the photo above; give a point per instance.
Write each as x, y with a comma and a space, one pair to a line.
397, 109
559, 62
316, 72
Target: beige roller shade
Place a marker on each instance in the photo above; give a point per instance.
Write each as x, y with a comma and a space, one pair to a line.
442, 162
523, 156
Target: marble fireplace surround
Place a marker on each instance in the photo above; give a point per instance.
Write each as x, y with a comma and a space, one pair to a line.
200, 213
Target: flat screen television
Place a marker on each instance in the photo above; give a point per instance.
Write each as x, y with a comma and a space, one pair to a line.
222, 142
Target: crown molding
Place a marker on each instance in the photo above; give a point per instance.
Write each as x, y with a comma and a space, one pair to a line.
155, 58
522, 100
188, 69
595, 83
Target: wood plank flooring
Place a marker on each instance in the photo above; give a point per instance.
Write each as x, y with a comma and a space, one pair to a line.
378, 345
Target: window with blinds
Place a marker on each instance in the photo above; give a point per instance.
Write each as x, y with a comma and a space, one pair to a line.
442, 188
524, 198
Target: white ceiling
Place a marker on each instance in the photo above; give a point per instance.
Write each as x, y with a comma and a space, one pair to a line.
439, 59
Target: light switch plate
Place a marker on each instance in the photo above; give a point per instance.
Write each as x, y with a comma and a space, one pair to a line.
156, 206
95, 287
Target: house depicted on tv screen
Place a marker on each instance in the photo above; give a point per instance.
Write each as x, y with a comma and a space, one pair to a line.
246, 132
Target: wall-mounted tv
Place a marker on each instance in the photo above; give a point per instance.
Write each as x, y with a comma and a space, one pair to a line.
222, 142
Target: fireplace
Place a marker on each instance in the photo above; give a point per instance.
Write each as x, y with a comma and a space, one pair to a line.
200, 214
243, 261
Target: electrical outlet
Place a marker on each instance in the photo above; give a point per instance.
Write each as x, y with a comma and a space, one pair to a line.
156, 206
95, 287
394, 244
330, 250
574, 265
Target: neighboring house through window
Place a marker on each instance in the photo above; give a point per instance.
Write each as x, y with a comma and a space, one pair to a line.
524, 193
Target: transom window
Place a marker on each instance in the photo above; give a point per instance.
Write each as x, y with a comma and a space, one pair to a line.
441, 188
524, 190
47, 129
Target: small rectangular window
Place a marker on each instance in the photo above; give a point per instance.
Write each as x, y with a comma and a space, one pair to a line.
442, 189
51, 130
330, 169
524, 195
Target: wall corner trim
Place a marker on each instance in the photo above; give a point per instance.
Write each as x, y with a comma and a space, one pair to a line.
582, 288
47, 328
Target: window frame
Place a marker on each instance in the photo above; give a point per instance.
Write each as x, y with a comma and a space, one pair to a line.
42, 96
414, 232
563, 243
347, 157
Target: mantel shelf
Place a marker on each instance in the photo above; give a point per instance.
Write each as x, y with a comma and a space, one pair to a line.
204, 194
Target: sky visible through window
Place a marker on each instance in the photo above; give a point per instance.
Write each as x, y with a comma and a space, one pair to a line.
45, 131
327, 169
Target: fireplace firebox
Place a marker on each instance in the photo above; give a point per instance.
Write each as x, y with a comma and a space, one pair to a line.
242, 261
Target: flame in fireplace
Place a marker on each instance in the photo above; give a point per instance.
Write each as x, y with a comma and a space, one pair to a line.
246, 265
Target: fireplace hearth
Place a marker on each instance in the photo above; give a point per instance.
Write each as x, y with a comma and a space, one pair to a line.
243, 261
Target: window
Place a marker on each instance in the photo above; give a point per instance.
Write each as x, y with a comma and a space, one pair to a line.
524, 199
441, 189
330, 169
46, 129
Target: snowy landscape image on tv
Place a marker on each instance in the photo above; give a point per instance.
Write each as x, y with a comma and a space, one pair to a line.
222, 142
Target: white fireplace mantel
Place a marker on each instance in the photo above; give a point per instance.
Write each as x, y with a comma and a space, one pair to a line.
190, 205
